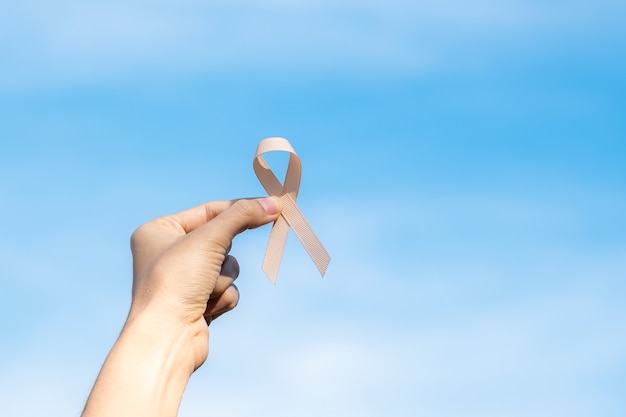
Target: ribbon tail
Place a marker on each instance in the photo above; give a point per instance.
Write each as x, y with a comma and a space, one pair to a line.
305, 234
275, 248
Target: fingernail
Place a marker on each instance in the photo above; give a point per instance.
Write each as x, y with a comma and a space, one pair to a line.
270, 204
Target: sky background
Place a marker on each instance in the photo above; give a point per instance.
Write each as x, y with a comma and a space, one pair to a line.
464, 163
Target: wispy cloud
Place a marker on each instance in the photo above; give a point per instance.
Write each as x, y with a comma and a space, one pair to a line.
475, 271
387, 329
74, 42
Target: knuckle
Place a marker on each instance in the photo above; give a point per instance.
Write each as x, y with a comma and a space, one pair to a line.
235, 267
138, 235
245, 208
230, 267
234, 300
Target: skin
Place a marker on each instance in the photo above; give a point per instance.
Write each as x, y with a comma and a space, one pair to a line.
182, 279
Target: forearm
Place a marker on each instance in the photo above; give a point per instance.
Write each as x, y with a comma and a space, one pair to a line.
146, 371
182, 278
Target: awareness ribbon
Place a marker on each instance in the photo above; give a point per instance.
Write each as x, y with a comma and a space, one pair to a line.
290, 215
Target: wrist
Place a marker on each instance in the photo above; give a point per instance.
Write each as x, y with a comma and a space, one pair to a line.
147, 369
184, 343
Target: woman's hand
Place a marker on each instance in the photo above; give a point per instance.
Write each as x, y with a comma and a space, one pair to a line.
182, 279
181, 263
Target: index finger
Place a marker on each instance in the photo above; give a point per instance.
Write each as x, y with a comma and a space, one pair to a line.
195, 217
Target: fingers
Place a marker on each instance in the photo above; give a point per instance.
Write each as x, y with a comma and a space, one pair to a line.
225, 295
228, 274
195, 217
222, 304
241, 215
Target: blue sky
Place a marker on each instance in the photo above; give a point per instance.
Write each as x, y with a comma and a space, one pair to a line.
463, 163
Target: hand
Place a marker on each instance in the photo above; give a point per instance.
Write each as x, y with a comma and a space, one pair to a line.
181, 265
183, 277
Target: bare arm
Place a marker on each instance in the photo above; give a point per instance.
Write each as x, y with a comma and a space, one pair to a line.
182, 279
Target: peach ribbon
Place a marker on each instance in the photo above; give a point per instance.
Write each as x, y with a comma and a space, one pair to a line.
291, 215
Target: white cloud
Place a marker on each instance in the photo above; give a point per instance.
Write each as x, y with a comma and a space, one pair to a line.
525, 359
377, 336
333, 367
72, 42
44, 389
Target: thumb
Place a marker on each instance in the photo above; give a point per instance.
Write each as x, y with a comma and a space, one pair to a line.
240, 216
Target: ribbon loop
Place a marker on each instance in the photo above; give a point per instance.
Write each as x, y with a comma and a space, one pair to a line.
291, 215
